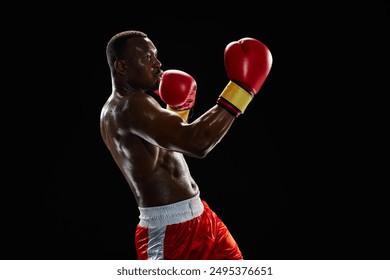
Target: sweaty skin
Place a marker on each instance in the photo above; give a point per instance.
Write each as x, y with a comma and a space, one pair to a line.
147, 141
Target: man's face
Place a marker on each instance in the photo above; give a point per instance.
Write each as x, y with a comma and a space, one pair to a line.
143, 67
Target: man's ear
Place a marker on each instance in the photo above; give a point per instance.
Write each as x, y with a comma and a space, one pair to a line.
120, 66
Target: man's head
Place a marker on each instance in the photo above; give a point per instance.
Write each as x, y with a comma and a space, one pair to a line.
132, 58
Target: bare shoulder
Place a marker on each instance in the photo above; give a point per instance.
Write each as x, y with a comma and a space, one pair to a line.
141, 105
129, 105
128, 114
139, 100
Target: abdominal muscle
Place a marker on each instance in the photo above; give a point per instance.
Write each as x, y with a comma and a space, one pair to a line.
161, 180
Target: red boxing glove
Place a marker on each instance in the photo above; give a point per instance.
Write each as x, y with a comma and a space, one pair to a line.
178, 90
247, 63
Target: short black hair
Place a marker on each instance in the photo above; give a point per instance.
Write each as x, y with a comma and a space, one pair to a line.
117, 43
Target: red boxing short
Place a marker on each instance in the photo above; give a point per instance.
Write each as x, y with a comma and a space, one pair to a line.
186, 230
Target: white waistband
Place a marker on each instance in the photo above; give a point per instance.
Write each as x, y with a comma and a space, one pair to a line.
174, 213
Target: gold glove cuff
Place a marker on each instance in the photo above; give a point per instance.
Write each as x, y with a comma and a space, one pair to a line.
236, 96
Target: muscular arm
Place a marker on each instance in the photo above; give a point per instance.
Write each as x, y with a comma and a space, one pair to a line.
167, 130
148, 143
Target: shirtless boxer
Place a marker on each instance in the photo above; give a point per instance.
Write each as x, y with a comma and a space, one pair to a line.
148, 142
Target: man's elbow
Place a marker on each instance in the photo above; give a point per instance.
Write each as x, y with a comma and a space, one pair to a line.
200, 152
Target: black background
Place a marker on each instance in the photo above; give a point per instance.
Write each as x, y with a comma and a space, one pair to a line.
298, 176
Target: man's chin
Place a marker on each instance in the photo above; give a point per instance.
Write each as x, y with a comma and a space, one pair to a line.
156, 86
154, 89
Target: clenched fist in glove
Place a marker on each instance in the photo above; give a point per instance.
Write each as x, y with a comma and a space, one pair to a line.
178, 90
247, 63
